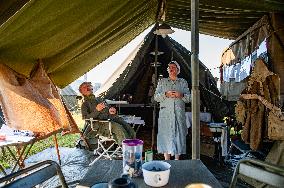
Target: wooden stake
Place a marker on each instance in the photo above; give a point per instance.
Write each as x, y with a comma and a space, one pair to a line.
57, 149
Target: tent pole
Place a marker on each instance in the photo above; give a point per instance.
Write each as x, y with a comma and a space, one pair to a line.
57, 149
195, 80
155, 86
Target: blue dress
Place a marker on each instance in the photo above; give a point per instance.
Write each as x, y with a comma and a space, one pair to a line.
172, 128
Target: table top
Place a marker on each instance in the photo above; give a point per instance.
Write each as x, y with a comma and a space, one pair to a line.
131, 119
183, 172
115, 102
132, 105
16, 140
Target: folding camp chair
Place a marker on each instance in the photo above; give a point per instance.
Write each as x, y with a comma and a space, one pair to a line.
33, 175
264, 172
107, 145
239, 146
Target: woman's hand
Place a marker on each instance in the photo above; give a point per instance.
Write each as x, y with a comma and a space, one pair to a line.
112, 110
170, 94
178, 94
100, 106
174, 94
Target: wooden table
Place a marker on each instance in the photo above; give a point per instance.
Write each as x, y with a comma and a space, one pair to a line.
182, 173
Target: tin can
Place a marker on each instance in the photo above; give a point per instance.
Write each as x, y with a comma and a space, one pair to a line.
148, 156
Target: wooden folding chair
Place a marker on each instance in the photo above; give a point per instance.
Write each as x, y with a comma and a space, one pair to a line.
267, 173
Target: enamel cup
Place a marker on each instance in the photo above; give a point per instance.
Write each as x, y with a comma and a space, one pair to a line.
156, 173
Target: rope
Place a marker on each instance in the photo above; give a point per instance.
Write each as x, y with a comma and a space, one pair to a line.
218, 96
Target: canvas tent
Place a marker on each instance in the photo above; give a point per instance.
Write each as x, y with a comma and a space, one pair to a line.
134, 76
72, 37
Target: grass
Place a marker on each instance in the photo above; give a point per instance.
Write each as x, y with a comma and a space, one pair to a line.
68, 140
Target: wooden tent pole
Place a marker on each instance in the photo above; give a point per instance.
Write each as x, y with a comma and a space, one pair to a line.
195, 103
155, 86
57, 149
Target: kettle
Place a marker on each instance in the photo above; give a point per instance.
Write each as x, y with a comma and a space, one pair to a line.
123, 182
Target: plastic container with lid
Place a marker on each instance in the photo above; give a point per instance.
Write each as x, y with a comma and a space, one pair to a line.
132, 157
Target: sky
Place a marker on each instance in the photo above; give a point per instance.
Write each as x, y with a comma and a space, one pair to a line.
210, 51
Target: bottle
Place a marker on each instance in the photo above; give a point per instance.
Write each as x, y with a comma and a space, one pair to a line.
148, 156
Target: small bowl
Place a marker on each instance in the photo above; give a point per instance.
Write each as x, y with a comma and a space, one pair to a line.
156, 173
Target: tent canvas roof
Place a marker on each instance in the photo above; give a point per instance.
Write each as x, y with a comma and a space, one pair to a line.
72, 37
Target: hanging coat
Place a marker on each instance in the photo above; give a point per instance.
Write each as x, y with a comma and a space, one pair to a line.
172, 128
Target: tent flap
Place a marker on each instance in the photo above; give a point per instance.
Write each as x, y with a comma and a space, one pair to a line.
33, 104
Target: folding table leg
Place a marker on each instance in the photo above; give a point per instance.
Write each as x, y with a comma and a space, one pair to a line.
22, 156
15, 158
27, 151
3, 170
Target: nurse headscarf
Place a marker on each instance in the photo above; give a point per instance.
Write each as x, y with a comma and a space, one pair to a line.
176, 63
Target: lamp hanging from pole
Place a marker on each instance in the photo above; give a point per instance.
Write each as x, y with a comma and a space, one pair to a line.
163, 29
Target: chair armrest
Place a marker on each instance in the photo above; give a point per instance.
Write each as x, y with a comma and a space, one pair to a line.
264, 164
34, 175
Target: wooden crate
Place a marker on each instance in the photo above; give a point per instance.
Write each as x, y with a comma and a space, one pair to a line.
204, 129
207, 149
